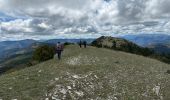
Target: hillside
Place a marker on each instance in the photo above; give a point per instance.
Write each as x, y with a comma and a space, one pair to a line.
10, 48
121, 45
15, 62
92, 73
148, 39
160, 43
160, 48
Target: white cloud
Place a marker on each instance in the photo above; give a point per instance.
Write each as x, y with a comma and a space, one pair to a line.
16, 26
158, 8
57, 18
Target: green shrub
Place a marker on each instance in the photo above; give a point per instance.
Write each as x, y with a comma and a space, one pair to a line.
96, 44
44, 53
67, 43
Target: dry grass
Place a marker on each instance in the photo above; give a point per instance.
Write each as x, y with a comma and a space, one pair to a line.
91, 73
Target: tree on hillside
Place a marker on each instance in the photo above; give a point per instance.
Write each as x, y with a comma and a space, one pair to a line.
44, 53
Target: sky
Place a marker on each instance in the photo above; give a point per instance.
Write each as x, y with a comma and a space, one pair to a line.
49, 19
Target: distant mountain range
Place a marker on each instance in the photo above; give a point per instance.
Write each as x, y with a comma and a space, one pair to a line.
148, 39
7, 45
10, 48
160, 43
157, 42
54, 41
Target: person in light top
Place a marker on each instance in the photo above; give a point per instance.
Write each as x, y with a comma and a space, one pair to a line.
59, 49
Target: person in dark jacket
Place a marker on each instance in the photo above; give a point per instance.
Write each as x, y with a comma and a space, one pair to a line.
59, 49
80, 43
85, 44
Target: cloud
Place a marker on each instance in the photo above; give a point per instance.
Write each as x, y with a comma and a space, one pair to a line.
158, 8
16, 26
81, 18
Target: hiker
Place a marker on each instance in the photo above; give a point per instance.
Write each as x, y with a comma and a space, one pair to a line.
85, 44
59, 49
80, 43
114, 44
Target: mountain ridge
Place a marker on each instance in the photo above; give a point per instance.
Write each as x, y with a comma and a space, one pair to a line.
89, 73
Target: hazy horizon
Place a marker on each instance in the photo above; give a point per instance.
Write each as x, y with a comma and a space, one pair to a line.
64, 38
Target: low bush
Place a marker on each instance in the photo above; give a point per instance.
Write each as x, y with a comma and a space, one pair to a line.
44, 53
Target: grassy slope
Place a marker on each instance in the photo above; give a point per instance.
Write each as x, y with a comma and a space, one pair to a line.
16, 63
90, 73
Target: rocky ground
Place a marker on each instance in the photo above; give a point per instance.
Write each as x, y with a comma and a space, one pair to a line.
90, 74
